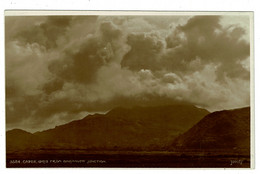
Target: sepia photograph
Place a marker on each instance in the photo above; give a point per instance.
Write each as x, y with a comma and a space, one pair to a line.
128, 89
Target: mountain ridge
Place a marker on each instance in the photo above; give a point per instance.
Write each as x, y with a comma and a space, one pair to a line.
122, 128
144, 128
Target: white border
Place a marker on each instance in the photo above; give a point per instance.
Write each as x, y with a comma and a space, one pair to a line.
252, 93
118, 13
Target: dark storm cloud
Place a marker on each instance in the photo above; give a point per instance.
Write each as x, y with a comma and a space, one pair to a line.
206, 39
97, 50
109, 31
145, 51
82, 65
200, 41
46, 33
16, 24
53, 85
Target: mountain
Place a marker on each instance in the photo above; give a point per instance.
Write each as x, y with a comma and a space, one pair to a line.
18, 139
137, 128
228, 129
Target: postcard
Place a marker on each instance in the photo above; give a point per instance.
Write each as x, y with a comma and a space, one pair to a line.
126, 89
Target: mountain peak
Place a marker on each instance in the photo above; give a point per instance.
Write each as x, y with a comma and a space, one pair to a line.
18, 131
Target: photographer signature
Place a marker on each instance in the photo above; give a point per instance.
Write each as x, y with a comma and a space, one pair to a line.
232, 162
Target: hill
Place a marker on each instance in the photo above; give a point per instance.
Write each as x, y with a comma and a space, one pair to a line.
228, 129
137, 128
18, 139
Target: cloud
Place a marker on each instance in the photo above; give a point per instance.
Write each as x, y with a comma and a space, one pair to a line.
189, 47
109, 31
97, 50
205, 91
82, 65
207, 39
26, 68
79, 65
145, 51
46, 33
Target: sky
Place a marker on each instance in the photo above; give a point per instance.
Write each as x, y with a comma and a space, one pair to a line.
62, 68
